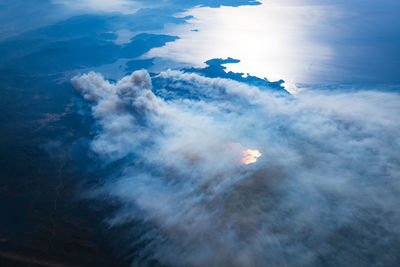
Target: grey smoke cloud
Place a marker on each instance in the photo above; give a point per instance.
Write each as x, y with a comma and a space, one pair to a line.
324, 192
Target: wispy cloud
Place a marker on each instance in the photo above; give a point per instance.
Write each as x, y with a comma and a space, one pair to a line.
121, 6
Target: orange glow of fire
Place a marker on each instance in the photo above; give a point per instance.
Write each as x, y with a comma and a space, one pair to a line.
250, 156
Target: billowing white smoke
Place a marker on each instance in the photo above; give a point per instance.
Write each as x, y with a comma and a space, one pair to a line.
325, 191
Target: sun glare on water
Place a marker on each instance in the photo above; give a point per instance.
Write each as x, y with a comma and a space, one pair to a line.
250, 156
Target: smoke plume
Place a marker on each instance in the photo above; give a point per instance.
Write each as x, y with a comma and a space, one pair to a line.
324, 191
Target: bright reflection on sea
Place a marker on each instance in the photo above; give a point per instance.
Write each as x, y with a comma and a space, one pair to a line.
272, 40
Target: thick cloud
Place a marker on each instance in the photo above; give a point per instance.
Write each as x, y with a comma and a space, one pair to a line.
324, 192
